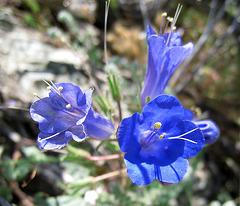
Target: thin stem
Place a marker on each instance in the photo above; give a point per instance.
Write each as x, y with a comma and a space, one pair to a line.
15, 108
106, 157
109, 175
119, 110
105, 31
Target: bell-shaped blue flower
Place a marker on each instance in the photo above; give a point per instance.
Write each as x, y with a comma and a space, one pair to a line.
158, 142
208, 127
165, 53
66, 114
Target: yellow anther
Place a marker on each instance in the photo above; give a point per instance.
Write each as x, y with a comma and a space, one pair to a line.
157, 125
60, 88
68, 106
164, 14
174, 28
35, 94
49, 87
168, 18
161, 136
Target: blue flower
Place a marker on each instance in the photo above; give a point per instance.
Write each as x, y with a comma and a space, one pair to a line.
165, 53
158, 142
67, 114
208, 127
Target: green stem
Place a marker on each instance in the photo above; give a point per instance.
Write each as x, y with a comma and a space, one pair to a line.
119, 110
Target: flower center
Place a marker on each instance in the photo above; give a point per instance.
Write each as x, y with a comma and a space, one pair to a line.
150, 137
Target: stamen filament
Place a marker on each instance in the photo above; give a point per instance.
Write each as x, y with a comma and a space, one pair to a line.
180, 136
179, 8
40, 140
166, 26
57, 92
161, 26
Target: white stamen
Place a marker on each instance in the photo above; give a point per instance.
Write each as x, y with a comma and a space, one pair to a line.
174, 20
46, 82
179, 8
40, 140
54, 86
180, 136
163, 19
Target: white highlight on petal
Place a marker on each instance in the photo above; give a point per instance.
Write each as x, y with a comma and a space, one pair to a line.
182, 135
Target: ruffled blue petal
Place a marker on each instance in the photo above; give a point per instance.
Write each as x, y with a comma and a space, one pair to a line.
166, 65
98, 126
188, 114
150, 31
56, 142
144, 172
165, 109
76, 133
209, 130
163, 59
128, 133
176, 39
172, 173
185, 137
140, 172
51, 119
49, 141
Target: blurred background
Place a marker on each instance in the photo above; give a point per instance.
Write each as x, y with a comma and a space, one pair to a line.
63, 41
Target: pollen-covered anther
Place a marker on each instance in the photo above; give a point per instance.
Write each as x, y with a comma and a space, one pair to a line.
170, 19
49, 87
161, 136
157, 125
164, 14
60, 88
174, 28
68, 106
35, 94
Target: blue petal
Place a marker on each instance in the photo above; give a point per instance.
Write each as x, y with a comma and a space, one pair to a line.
185, 137
59, 140
183, 140
150, 31
188, 114
50, 118
98, 126
144, 172
140, 172
172, 173
76, 133
163, 60
165, 109
128, 133
74, 95
56, 142
166, 65
209, 130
